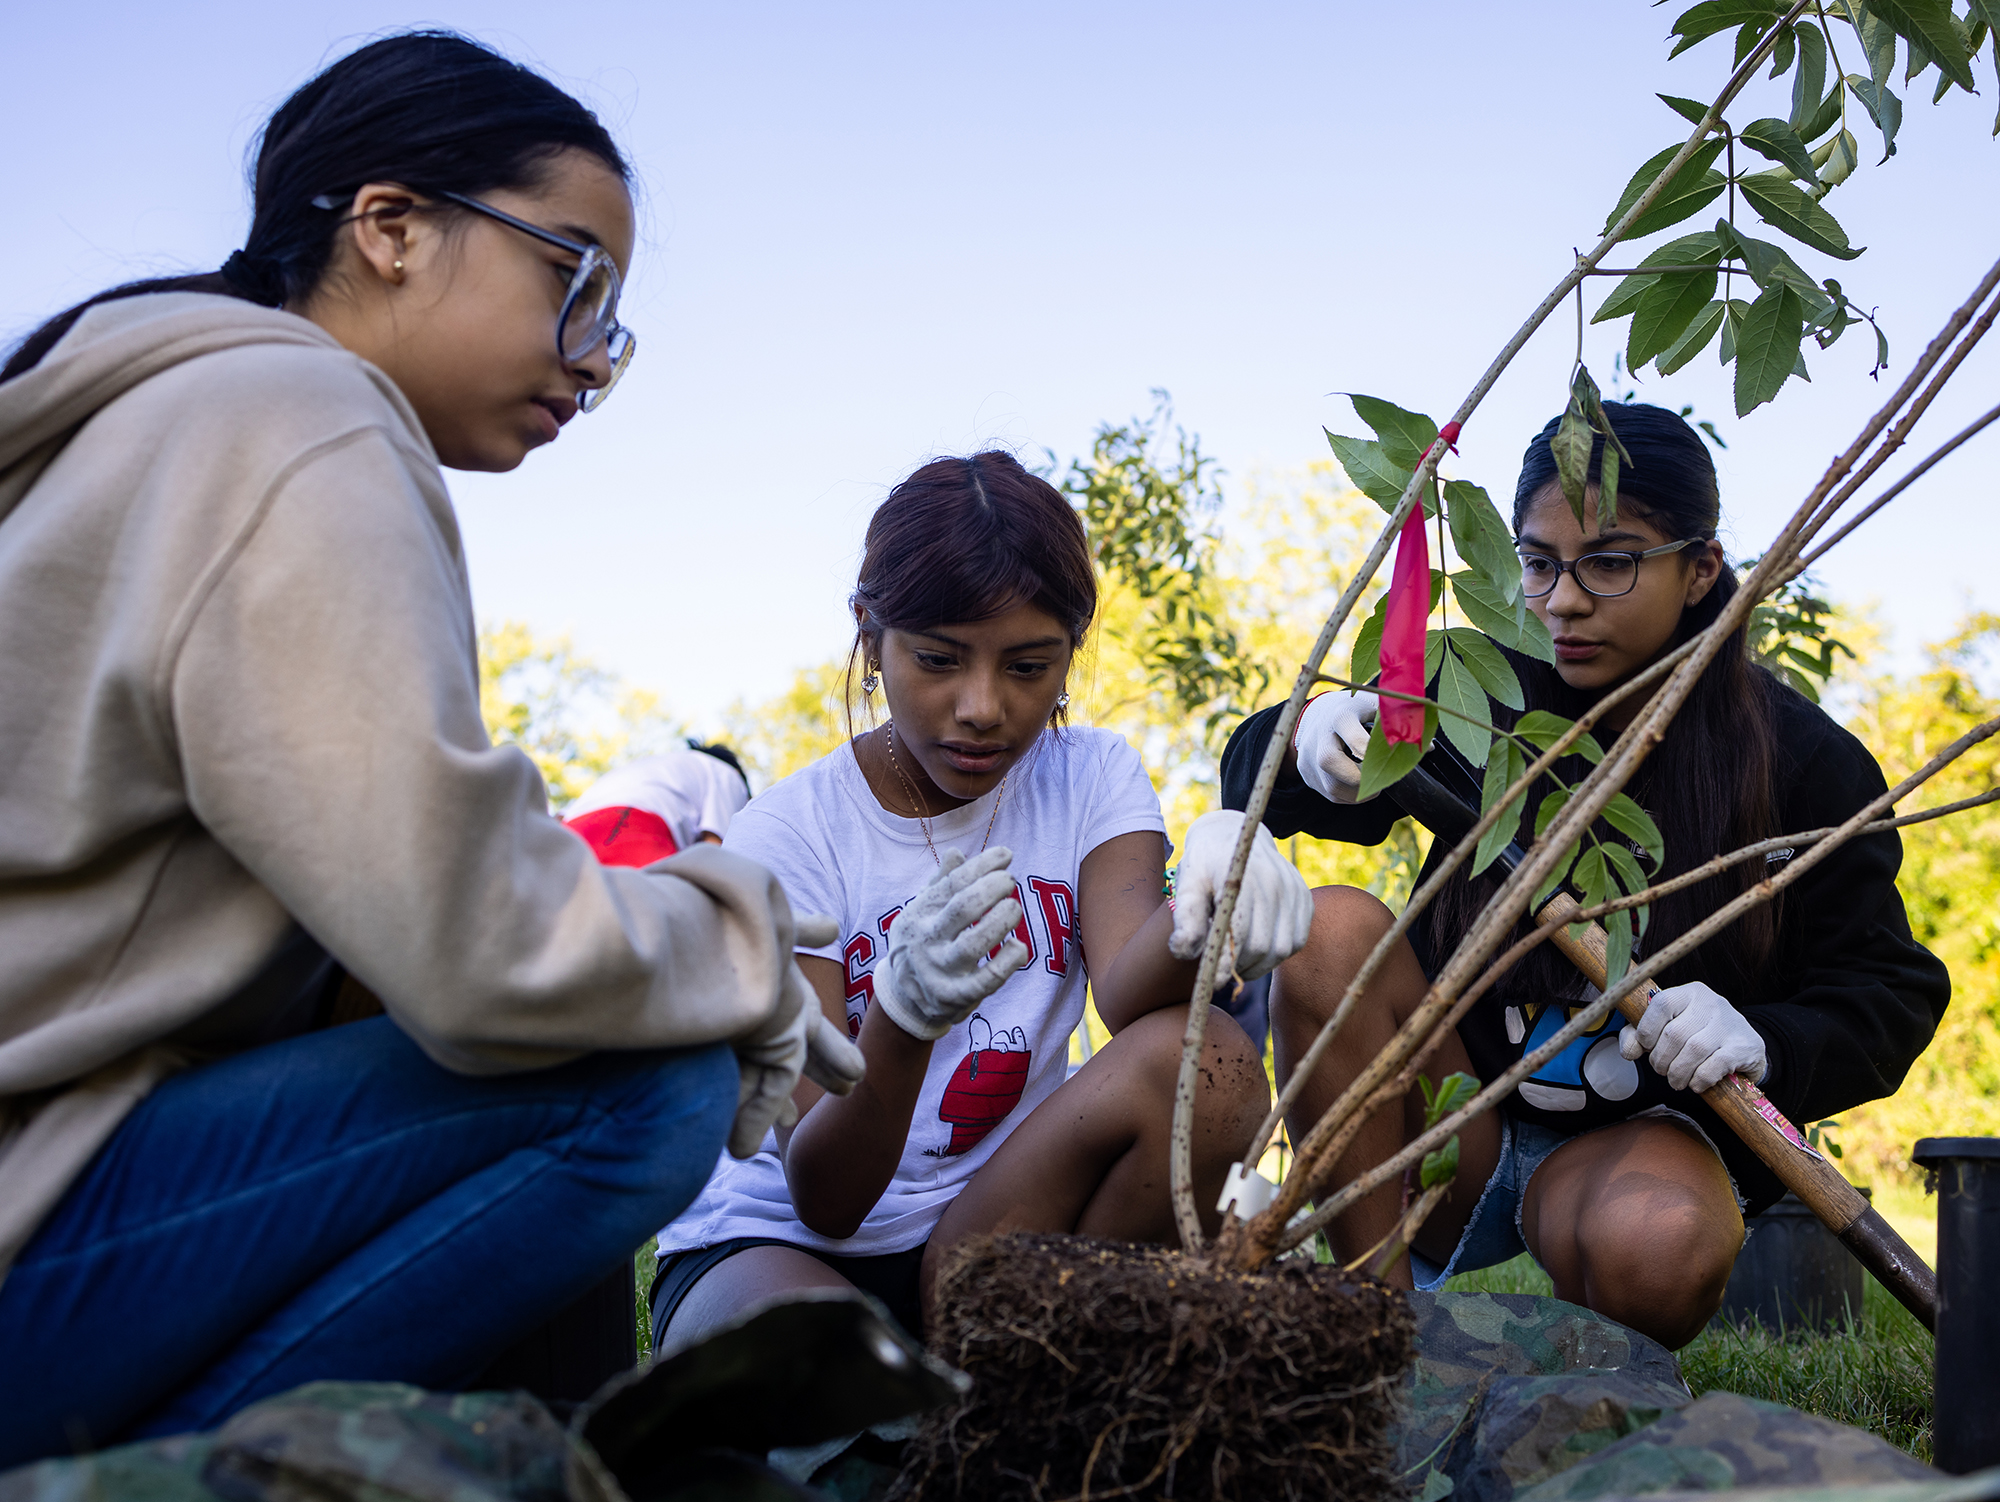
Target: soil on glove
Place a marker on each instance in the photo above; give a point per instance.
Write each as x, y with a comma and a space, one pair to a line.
1102, 1369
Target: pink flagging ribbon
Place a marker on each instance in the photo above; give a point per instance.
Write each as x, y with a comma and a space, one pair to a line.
1403, 632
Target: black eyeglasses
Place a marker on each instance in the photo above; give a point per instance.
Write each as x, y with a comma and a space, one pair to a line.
589, 308
1607, 575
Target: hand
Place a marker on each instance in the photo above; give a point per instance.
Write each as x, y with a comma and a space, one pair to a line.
1331, 740
933, 979
1274, 906
1696, 1038
797, 1038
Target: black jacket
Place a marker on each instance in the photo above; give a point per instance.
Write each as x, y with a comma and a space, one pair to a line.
1845, 1005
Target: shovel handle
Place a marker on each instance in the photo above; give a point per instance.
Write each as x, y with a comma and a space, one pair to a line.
1748, 1112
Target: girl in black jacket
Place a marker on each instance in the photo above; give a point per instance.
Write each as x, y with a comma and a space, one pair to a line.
1605, 1165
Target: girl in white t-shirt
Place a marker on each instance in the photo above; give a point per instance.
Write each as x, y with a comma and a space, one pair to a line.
982, 861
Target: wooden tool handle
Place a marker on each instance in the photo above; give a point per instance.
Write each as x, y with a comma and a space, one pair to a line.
1747, 1112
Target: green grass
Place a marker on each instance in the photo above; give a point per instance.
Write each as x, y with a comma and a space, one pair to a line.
1875, 1374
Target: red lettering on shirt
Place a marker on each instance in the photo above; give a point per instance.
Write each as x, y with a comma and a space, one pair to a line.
1021, 931
1058, 904
860, 951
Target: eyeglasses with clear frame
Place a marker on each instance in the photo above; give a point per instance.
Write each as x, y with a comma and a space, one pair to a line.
1606, 575
593, 294
589, 308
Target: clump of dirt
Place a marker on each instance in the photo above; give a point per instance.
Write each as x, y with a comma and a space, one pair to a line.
1102, 1369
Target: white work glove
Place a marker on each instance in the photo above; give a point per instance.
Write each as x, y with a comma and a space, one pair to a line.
1332, 738
1274, 906
1695, 1038
796, 1039
933, 978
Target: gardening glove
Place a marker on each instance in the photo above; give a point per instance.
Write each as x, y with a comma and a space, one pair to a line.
1331, 739
1695, 1038
937, 972
1274, 906
797, 1038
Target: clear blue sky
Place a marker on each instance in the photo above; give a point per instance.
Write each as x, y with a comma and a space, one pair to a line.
877, 232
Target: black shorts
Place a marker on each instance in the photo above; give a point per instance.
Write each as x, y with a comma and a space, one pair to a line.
890, 1277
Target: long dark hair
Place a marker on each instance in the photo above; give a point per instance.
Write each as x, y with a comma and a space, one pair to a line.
1708, 783
430, 110
964, 540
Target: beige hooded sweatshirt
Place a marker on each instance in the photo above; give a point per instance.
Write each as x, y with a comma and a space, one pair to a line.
239, 712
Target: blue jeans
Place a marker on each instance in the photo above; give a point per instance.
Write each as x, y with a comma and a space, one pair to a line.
338, 1206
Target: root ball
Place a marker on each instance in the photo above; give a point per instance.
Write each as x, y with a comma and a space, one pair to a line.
1102, 1369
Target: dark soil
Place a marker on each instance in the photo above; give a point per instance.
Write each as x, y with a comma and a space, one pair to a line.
1102, 1369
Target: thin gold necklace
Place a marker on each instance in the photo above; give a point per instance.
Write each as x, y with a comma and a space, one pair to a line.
922, 809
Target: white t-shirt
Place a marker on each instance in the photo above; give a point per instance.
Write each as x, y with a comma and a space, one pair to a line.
839, 852
693, 792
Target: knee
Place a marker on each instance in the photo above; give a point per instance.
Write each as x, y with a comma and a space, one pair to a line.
669, 1114
1347, 923
1660, 1268
1230, 1080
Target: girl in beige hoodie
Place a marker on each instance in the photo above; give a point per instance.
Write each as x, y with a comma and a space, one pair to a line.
241, 761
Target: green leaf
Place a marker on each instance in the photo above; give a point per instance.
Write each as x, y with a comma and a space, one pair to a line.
1747, 38
1487, 609
1837, 159
1691, 188
1691, 110
1688, 250
1767, 347
1483, 660
1405, 436
1503, 769
1454, 1091
1774, 139
1545, 729
1713, 16
1770, 266
1792, 210
1571, 446
1433, 654
1931, 25
1809, 82
1617, 945
1784, 51
1481, 537
1827, 117
1693, 341
1664, 314
1459, 691
1878, 40
1441, 1166
1437, 1486
1632, 821
1592, 877
1554, 879
1366, 663
1883, 107
1386, 762
1626, 866
1370, 469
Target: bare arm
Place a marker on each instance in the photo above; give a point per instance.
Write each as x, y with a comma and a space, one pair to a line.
1123, 921
843, 1152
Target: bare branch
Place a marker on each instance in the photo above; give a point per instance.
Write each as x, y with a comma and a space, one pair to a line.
1807, 560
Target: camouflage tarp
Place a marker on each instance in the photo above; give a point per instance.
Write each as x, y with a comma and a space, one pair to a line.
1513, 1399
1523, 1399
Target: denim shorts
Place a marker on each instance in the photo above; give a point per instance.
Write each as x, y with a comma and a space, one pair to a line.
1493, 1234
